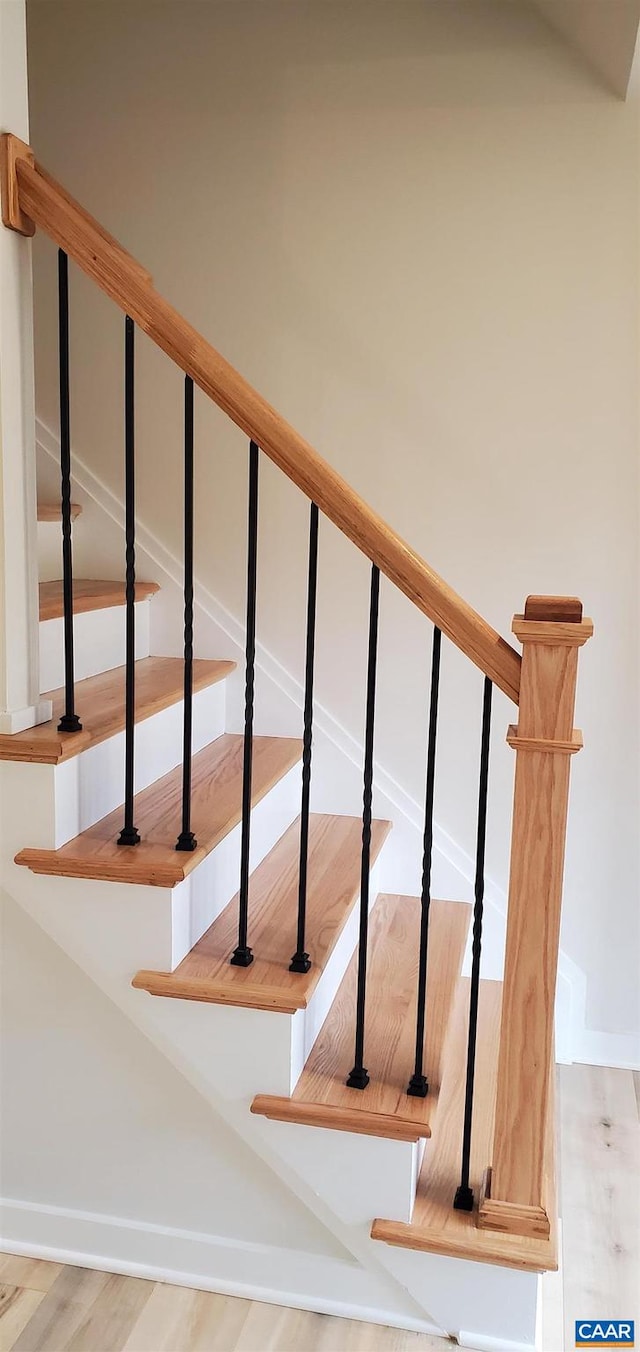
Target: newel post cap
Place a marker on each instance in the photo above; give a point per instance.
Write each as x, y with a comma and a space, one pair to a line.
553, 620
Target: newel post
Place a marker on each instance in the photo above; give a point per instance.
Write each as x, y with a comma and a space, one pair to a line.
551, 631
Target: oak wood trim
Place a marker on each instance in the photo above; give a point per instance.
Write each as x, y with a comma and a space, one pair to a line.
123, 280
559, 609
89, 220
544, 736
569, 747
88, 594
13, 217
361, 1123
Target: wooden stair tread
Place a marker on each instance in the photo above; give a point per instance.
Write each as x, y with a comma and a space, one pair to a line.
52, 511
88, 594
215, 810
321, 1097
100, 703
333, 886
436, 1227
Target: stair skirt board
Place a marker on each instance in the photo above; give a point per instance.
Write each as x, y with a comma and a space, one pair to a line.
246, 1270
99, 643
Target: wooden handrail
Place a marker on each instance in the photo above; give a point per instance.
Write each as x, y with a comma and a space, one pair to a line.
42, 201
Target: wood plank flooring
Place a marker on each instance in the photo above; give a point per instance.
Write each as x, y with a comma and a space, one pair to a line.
100, 702
47, 1308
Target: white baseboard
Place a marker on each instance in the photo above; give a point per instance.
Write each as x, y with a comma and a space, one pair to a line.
232, 1267
621, 1050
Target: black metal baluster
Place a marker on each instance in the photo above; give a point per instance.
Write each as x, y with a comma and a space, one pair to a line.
129, 835
242, 956
358, 1077
301, 961
69, 721
186, 839
463, 1200
418, 1085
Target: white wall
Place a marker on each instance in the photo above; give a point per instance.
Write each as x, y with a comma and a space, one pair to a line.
96, 1120
414, 228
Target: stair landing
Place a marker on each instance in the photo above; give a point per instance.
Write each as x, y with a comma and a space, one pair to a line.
322, 1098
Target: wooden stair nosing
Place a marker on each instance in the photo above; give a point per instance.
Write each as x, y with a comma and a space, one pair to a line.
88, 594
321, 1097
436, 1227
100, 702
333, 887
215, 810
52, 511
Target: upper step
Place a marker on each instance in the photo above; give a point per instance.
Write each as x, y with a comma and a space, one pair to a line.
333, 886
322, 1098
100, 702
435, 1226
88, 594
52, 511
215, 809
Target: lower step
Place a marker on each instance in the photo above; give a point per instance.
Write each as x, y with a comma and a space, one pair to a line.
436, 1227
384, 1108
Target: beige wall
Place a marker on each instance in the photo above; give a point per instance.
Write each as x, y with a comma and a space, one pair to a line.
414, 227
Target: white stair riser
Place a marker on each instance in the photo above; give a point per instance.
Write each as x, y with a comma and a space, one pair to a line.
308, 1027
204, 893
89, 786
98, 643
484, 1306
359, 1177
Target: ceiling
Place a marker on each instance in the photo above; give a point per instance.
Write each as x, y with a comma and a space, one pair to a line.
604, 32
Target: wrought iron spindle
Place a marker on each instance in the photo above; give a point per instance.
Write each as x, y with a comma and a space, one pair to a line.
301, 962
242, 956
129, 835
69, 721
418, 1085
186, 839
463, 1200
358, 1077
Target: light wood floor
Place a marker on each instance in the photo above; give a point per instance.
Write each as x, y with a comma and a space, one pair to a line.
48, 1308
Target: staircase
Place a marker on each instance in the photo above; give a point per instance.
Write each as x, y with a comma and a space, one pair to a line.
344, 1031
